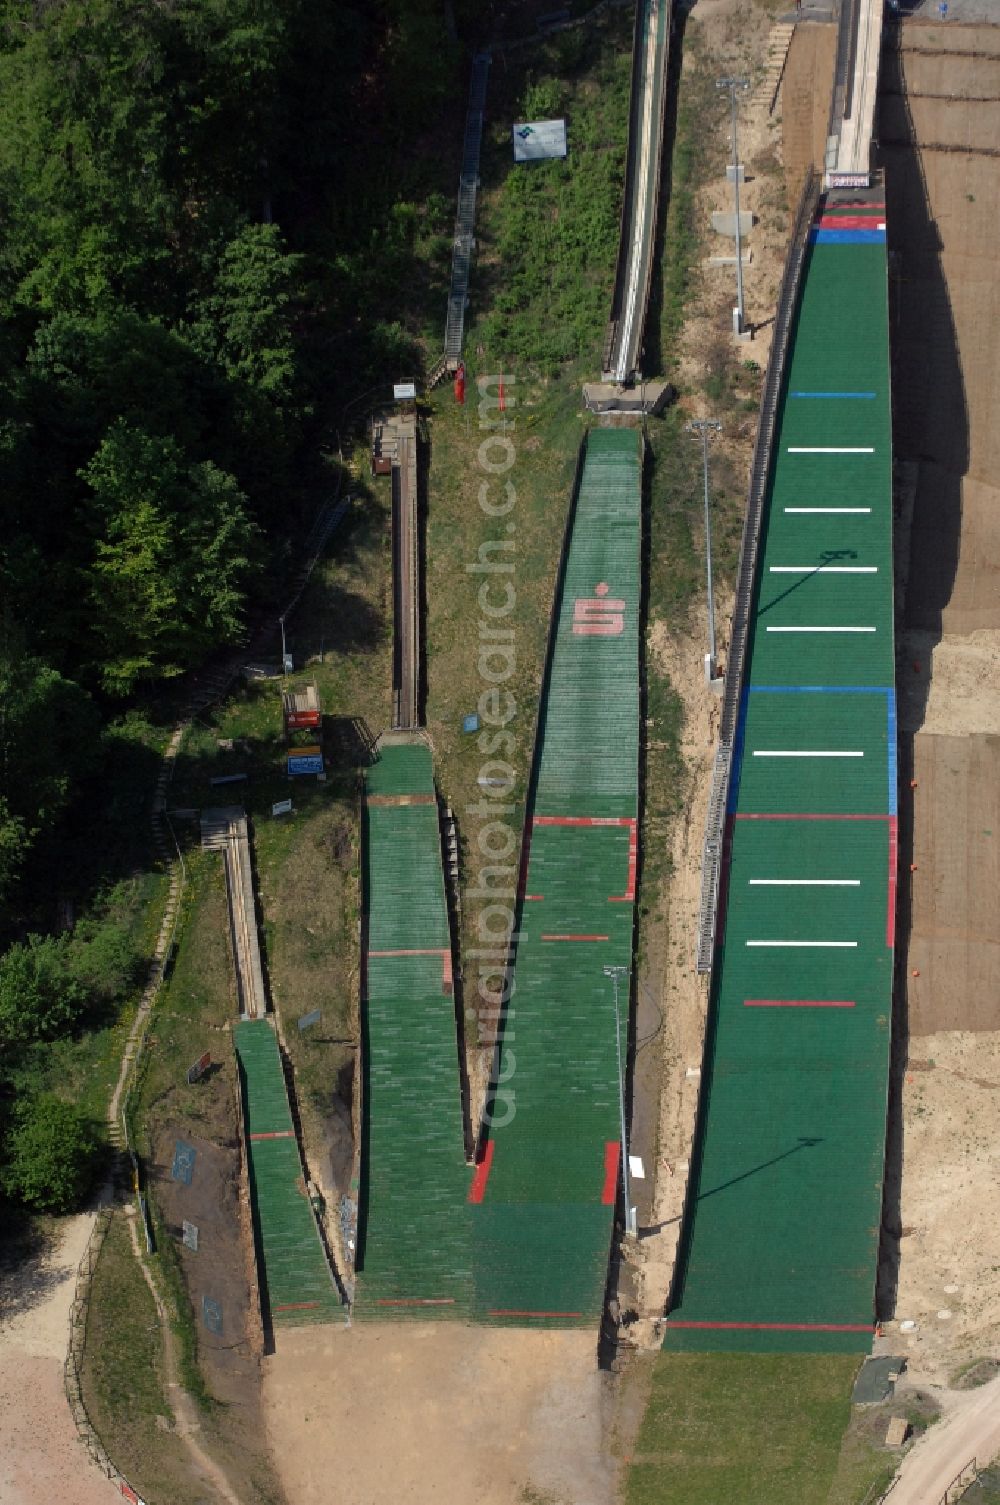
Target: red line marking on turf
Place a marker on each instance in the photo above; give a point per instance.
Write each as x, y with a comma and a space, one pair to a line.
532, 898
797, 1003
779, 1327
890, 919
628, 897
502, 1312
447, 978
612, 1155
847, 222
297, 1306
812, 817
574, 938
582, 820
478, 1188
278, 1134
418, 1301
411, 951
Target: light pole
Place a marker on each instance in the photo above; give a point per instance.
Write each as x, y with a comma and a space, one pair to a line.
703, 427
736, 86
284, 653
616, 974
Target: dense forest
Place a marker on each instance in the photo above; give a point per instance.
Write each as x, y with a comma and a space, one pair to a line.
206, 215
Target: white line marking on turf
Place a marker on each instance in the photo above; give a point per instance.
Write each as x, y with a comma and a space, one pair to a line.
830, 449
819, 754
828, 509
804, 882
826, 569
822, 629
848, 944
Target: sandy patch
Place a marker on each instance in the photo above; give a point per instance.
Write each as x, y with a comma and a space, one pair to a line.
440, 1414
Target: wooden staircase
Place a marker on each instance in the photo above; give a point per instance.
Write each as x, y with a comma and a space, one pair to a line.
765, 95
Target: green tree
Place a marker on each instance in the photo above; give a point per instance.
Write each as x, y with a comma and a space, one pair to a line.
245, 322
40, 997
51, 1156
13, 850
173, 557
48, 738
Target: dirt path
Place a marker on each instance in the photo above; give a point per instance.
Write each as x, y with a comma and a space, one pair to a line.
969, 1429
186, 1420
41, 1457
440, 1414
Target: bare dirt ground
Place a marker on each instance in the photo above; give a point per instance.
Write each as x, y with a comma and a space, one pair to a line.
668, 970
946, 298
41, 1458
954, 952
804, 103
441, 1414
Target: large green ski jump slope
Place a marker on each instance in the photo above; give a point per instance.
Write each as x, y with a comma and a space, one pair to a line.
524, 1235
547, 1177
781, 1237
413, 1256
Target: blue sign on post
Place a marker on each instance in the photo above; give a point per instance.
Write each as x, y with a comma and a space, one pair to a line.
470, 723
211, 1314
303, 760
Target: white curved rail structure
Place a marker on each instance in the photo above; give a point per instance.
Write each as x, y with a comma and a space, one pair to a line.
635, 254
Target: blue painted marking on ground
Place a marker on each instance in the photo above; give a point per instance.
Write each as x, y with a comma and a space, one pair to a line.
737, 763
893, 772
847, 237
869, 396
182, 1168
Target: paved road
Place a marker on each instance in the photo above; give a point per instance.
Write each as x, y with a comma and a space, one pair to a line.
970, 1428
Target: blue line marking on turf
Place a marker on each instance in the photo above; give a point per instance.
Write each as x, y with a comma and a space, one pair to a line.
847, 237
732, 799
818, 690
891, 748
868, 395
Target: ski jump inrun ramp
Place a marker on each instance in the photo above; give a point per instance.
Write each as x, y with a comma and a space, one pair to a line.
782, 1222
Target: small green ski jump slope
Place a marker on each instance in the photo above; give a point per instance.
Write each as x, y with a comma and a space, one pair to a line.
547, 1176
781, 1237
296, 1283
413, 1235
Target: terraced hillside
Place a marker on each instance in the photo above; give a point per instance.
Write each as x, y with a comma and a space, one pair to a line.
781, 1237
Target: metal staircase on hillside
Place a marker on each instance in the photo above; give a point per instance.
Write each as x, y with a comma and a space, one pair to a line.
464, 242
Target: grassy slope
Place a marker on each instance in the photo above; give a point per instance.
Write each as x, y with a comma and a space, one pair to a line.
123, 1383
741, 1427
